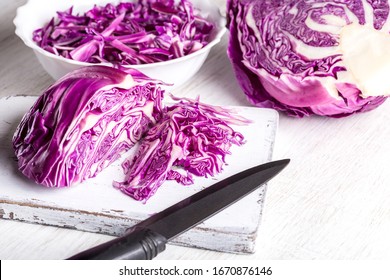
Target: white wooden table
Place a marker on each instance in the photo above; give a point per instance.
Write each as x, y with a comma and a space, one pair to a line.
332, 202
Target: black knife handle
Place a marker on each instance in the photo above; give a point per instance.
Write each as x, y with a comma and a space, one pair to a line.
140, 244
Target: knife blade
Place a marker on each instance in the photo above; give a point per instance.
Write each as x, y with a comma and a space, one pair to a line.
148, 238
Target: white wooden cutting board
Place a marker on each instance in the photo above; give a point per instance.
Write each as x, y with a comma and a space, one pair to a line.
97, 206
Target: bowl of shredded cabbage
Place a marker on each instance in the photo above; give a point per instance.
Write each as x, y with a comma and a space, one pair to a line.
167, 40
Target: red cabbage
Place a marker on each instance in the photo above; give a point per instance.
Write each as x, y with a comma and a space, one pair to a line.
191, 139
84, 122
128, 33
304, 57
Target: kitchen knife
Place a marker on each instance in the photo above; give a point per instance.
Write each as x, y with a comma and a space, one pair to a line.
148, 238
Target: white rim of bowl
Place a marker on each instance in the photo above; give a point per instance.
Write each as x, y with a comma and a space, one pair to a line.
30, 43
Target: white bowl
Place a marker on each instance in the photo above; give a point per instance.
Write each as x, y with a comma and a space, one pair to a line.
36, 13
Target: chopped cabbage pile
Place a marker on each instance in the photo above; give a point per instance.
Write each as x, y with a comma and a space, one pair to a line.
192, 136
129, 33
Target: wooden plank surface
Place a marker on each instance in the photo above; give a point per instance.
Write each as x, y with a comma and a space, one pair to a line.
96, 206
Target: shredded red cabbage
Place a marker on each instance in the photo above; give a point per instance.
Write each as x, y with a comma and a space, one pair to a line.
191, 136
84, 122
129, 33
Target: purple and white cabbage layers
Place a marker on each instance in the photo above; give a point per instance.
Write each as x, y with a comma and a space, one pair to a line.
129, 33
91, 116
192, 138
84, 122
308, 57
